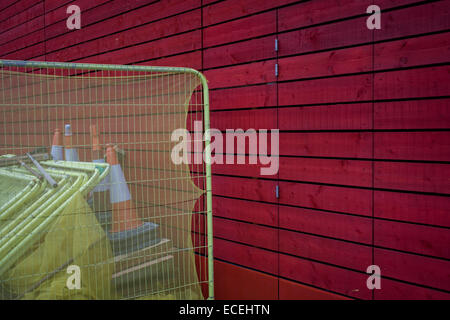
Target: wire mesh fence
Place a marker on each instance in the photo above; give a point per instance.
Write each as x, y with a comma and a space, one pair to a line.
92, 205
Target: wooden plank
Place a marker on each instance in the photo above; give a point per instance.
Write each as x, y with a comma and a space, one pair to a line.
428, 145
246, 28
64, 46
28, 25
20, 9
395, 290
332, 171
245, 119
330, 63
249, 211
428, 17
155, 49
434, 273
325, 37
340, 226
422, 177
247, 256
330, 90
413, 238
241, 52
412, 52
414, 114
6, 3
243, 188
244, 97
232, 9
289, 290
341, 199
246, 285
185, 60
327, 144
410, 207
241, 75
323, 276
103, 12
56, 9
243, 170
28, 40
30, 53
336, 252
413, 83
309, 13
334, 117
247, 233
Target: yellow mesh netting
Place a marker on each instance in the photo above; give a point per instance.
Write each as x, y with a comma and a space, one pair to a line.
137, 112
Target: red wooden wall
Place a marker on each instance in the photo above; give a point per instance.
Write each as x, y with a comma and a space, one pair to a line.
364, 117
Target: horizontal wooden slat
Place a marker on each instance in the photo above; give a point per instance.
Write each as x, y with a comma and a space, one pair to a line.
247, 233
421, 270
332, 90
342, 199
413, 114
412, 52
335, 117
332, 171
247, 256
324, 144
422, 177
331, 251
340, 226
246, 285
247, 51
245, 119
412, 238
231, 9
395, 290
414, 83
410, 207
330, 63
131, 37
309, 13
331, 278
163, 47
428, 17
246, 28
249, 211
325, 37
244, 97
432, 146
250, 189
290, 290
247, 74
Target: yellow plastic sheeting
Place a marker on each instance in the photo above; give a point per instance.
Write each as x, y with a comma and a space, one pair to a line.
75, 238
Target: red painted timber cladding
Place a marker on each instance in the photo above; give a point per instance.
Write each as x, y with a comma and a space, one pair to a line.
425, 240
418, 208
336, 252
343, 281
414, 114
290, 290
325, 228
334, 117
246, 285
241, 29
343, 89
339, 226
431, 272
